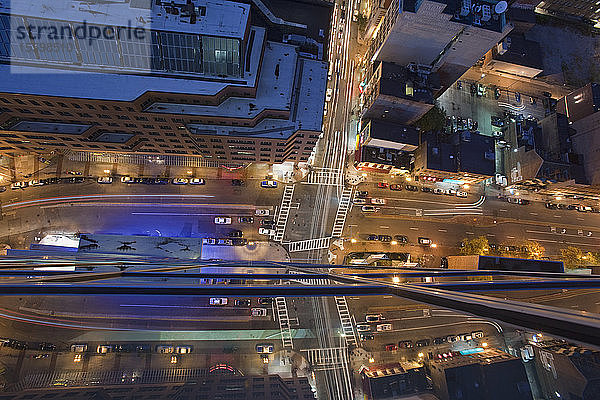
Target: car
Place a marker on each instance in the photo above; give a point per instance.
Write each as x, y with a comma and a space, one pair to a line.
183, 349
496, 93
382, 185
571, 207
551, 206
450, 192
425, 241
268, 184
401, 239
267, 221
164, 349
242, 303
426, 189
236, 233
261, 212
127, 179
197, 181
584, 208
362, 193
246, 220
366, 336
19, 185
384, 238
218, 301
513, 200
79, 348
473, 89
462, 194
458, 85
103, 349
405, 344
411, 188
40, 356
47, 346
452, 339
517, 97
124, 348
363, 328
391, 347
439, 340
368, 209
422, 343
373, 317
328, 94
159, 181
75, 179
239, 242
465, 337
224, 242
359, 201
105, 179
266, 231
264, 348
258, 312
180, 181
384, 327
265, 301
210, 241
396, 186
477, 334
377, 201
438, 191
372, 237
36, 182
444, 262
223, 220
237, 182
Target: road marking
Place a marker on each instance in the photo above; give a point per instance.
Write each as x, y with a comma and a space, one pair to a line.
533, 213
469, 233
510, 237
353, 226
384, 227
387, 297
413, 228
580, 219
556, 216
544, 240
490, 234
442, 230
503, 210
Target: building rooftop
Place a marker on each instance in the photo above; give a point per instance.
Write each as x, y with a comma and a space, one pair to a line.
204, 17
378, 155
400, 81
522, 52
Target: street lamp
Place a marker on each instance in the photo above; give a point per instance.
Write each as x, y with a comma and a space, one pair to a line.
421, 355
396, 279
353, 240
408, 179
371, 360
393, 242
107, 171
484, 344
434, 245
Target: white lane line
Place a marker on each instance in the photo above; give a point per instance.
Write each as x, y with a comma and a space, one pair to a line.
171, 214
543, 240
510, 237
489, 234
580, 219
413, 228
384, 227
583, 244
442, 230
469, 233
556, 216
161, 306
533, 213
503, 210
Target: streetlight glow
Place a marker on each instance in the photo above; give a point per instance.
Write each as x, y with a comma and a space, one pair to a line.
421, 355
107, 171
393, 242
353, 240
434, 245
371, 360
396, 279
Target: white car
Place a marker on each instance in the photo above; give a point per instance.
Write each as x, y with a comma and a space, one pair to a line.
450, 192
103, 349
360, 201
223, 220
268, 184
368, 209
465, 337
462, 194
105, 179
19, 185
218, 301
384, 327
126, 179
264, 348
363, 328
374, 317
477, 334
438, 191
259, 312
183, 349
79, 348
453, 339
377, 201
266, 231
179, 181
36, 182
261, 212
329, 94
209, 241
196, 181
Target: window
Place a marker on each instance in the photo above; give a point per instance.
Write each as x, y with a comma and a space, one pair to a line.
91, 107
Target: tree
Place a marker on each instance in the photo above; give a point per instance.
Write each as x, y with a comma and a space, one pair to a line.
574, 257
477, 246
534, 249
433, 120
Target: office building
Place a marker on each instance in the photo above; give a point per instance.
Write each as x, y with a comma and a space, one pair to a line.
200, 80
446, 36
485, 374
465, 157
503, 264
586, 10
389, 381
567, 371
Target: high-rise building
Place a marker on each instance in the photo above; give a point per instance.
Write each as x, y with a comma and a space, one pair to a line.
186, 77
447, 36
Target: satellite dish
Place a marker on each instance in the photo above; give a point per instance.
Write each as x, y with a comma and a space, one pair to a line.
501, 7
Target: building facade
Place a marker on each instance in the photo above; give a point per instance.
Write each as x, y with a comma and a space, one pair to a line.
202, 81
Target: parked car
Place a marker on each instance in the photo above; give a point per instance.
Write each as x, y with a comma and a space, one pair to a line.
373, 317
377, 201
209, 241
197, 181
265, 301
47, 346
105, 179
180, 181
438, 191
384, 238
372, 237
261, 212
477, 334
267, 222
164, 349
79, 348
405, 344
425, 241
19, 185
104, 349
266, 231
391, 347
439, 340
450, 192
465, 337
183, 349
236, 233
223, 220
127, 179
258, 312
411, 188
239, 242
368, 209
218, 301
359, 201
422, 343
268, 184
551, 206
401, 239
264, 348
242, 302
238, 182
384, 327
362, 193
224, 242
382, 185
246, 220
363, 328
36, 182
367, 336
462, 194
426, 189
452, 339
395, 186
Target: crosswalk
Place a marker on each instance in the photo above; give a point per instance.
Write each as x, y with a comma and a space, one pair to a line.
284, 322
346, 320
327, 358
325, 176
342, 212
309, 244
284, 212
